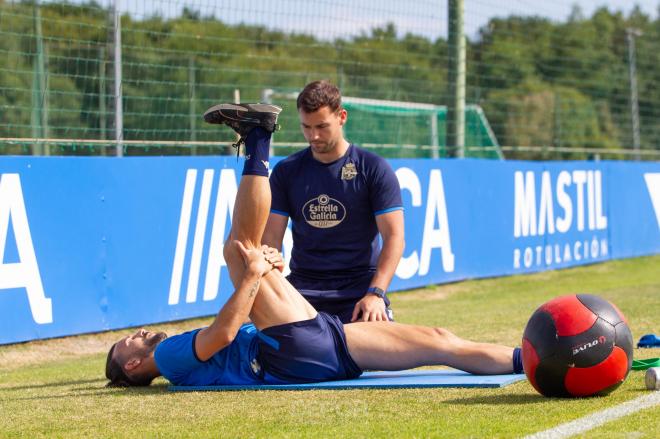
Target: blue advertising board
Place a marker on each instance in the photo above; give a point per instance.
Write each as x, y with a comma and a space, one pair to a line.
91, 244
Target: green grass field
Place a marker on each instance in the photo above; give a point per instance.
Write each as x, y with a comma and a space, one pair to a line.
55, 388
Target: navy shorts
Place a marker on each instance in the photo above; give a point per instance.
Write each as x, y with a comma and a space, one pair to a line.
342, 308
307, 351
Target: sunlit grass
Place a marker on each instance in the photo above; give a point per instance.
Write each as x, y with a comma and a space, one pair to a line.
58, 392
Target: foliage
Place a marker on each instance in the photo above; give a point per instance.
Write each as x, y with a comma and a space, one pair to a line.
543, 114
563, 84
572, 76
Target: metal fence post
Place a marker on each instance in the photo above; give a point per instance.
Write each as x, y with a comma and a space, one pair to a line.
119, 116
456, 80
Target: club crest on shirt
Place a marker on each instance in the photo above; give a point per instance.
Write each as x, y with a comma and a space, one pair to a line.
348, 171
323, 212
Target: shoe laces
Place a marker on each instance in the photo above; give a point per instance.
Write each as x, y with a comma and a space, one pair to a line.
237, 146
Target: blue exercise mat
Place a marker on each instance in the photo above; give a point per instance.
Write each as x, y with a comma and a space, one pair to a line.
405, 379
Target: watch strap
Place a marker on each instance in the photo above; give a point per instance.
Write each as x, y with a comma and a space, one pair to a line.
380, 293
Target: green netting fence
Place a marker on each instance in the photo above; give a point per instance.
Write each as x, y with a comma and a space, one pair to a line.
392, 128
419, 128
538, 85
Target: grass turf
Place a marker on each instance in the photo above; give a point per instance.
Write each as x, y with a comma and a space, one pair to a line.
55, 388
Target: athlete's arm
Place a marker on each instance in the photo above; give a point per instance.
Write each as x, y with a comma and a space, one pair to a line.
236, 310
274, 232
390, 225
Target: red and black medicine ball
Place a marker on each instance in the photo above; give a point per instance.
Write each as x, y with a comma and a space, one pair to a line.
578, 345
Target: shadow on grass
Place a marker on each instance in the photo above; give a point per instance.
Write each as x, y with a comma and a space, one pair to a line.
147, 390
51, 384
633, 392
499, 399
99, 390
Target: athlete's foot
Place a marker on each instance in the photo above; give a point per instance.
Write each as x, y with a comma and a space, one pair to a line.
242, 118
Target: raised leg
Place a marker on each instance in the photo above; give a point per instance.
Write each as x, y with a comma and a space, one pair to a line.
277, 301
395, 346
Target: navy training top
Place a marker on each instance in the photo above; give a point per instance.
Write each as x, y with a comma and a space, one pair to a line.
333, 209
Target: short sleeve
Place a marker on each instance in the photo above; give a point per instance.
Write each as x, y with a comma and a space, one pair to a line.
175, 356
280, 202
384, 189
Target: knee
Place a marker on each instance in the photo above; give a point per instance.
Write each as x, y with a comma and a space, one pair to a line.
447, 337
230, 250
442, 332
232, 253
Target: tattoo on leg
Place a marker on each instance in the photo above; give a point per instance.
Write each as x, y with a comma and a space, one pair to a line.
254, 288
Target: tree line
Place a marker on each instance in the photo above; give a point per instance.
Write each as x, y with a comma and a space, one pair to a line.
540, 83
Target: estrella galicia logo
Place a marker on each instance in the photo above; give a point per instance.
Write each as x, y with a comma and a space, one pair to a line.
323, 212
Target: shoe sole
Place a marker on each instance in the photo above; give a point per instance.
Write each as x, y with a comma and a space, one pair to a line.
257, 108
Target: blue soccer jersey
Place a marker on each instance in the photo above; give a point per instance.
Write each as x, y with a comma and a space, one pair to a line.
333, 209
235, 364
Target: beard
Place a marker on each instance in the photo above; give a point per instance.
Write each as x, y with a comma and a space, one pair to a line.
323, 147
153, 340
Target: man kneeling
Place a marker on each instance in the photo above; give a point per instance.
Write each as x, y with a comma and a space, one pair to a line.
287, 341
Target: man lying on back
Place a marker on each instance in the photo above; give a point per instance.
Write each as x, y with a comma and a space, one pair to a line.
288, 341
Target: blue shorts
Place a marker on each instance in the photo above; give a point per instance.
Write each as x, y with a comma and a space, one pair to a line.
307, 351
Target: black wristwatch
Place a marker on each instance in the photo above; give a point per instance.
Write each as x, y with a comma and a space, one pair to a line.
380, 293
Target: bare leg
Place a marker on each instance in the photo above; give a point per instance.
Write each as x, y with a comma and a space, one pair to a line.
394, 346
251, 210
278, 301
249, 220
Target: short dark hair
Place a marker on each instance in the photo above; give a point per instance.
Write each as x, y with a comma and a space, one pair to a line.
118, 377
319, 94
